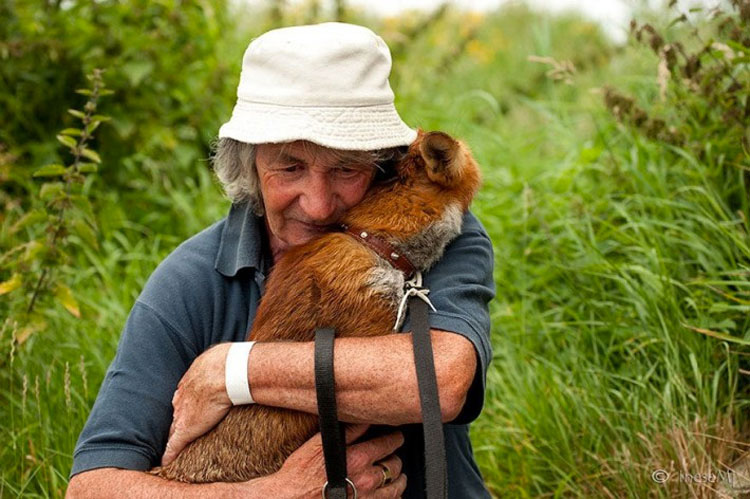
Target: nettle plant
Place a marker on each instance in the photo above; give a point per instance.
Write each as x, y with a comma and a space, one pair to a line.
42, 212
703, 77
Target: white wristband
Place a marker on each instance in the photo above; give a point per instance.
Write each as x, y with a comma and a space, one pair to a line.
235, 373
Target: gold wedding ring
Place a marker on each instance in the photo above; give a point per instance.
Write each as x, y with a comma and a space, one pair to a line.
387, 476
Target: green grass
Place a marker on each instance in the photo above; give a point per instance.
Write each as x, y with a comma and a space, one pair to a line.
616, 259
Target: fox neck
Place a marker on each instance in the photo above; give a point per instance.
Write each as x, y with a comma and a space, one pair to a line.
418, 219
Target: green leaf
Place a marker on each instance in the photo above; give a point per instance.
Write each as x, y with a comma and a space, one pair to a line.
590, 154
92, 155
72, 131
85, 232
13, 283
676, 20
65, 296
34, 249
76, 113
84, 91
50, 189
83, 204
718, 335
100, 117
67, 141
29, 218
93, 126
105, 92
49, 171
88, 167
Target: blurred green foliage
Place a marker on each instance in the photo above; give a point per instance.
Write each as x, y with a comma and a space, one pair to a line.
171, 64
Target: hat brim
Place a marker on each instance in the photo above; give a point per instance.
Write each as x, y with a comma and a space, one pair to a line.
359, 128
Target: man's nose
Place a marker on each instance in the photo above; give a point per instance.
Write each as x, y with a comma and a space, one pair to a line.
317, 201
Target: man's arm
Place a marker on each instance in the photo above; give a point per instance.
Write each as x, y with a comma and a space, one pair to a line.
376, 381
114, 483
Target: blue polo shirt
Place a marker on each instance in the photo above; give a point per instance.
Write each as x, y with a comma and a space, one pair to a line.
207, 291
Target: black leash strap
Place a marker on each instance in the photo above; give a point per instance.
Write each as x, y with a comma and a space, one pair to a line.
434, 440
331, 431
334, 443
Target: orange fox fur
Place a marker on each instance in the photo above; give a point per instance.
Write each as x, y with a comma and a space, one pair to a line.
336, 281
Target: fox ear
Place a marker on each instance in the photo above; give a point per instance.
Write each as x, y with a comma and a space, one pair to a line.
442, 158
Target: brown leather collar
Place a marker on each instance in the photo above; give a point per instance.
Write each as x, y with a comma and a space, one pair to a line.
383, 248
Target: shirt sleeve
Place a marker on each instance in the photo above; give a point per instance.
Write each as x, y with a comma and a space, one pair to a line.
461, 286
175, 318
129, 423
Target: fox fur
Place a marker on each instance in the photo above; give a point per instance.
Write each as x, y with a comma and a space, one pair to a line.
335, 281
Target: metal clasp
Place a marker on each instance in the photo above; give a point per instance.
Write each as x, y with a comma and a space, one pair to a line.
324, 491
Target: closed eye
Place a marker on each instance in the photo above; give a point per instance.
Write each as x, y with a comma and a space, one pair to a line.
349, 172
294, 168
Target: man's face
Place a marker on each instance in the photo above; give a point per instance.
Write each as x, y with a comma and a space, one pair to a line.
306, 188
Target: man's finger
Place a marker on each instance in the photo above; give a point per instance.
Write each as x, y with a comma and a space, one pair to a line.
171, 431
365, 453
354, 431
168, 456
175, 444
395, 489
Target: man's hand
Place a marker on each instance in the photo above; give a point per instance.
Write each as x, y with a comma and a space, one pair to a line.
303, 473
200, 402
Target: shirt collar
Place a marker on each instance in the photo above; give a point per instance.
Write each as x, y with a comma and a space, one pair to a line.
242, 241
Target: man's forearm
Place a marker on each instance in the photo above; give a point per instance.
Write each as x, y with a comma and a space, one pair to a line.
115, 483
375, 377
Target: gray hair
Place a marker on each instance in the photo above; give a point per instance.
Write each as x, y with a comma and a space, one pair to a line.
234, 164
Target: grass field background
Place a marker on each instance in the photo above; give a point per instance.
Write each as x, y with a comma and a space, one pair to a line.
620, 328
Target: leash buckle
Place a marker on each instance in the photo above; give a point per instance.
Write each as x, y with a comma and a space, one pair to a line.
349, 483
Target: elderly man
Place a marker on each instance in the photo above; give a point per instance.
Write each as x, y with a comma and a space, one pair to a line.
313, 128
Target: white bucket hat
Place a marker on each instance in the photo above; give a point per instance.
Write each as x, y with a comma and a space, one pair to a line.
326, 83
